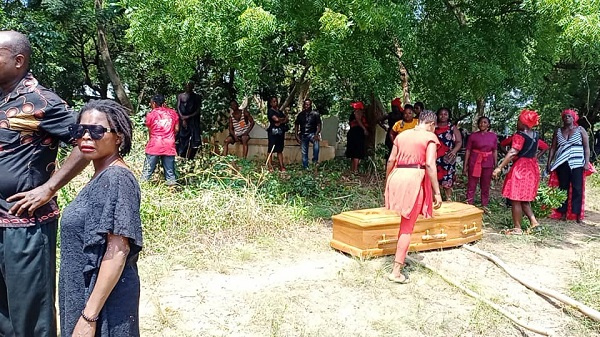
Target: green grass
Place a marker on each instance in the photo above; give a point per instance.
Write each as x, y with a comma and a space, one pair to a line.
222, 203
585, 286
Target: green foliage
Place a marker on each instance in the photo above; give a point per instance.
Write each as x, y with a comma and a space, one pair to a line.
546, 199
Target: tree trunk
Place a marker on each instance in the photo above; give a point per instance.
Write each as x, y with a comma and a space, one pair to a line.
303, 92
479, 112
403, 73
110, 67
294, 88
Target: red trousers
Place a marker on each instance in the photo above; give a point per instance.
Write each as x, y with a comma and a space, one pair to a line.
485, 182
408, 224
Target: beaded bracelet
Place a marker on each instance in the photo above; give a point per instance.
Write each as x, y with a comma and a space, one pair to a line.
89, 319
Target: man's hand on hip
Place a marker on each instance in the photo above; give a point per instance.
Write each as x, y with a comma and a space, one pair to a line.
30, 201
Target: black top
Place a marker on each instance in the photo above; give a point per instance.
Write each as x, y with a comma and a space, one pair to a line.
392, 119
530, 147
32, 121
308, 121
272, 112
109, 203
191, 105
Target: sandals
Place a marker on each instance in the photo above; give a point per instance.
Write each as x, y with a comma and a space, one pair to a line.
535, 229
513, 231
395, 279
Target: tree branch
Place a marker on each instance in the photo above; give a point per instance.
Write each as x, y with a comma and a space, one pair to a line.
295, 86
458, 13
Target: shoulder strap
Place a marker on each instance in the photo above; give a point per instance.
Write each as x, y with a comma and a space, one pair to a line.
533, 143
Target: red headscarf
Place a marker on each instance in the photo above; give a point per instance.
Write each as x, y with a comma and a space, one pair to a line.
357, 105
530, 118
572, 113
397, 103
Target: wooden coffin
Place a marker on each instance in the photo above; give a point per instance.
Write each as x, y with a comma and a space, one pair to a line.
374, 232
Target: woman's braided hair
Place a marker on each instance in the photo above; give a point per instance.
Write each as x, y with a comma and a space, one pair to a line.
118, 118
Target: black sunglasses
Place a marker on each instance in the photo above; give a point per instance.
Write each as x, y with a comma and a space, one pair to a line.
96, 131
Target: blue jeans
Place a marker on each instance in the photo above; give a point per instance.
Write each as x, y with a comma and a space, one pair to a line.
168, 164
304, 142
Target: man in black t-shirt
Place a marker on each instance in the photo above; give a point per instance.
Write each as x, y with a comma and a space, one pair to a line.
32, 121
307, 129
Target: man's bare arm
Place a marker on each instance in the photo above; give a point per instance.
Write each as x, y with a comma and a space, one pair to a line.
31, 200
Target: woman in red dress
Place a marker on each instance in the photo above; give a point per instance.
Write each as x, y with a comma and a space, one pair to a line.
410, 177
522, 181
480, 159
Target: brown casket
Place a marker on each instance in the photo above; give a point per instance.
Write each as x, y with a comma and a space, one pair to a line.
374, 232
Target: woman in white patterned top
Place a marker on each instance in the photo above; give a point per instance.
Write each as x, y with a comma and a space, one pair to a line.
568, 160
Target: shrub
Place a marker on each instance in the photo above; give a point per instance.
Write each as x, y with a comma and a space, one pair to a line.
547, 198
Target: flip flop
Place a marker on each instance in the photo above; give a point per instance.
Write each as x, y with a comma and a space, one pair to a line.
535, 229
397, 280
513, 231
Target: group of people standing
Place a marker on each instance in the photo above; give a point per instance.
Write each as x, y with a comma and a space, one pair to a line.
423, 158
307, 130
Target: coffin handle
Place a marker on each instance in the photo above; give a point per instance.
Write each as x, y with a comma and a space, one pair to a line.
467, 231
385, 240
434, 237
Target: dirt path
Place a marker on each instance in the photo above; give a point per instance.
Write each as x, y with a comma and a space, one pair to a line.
320, 292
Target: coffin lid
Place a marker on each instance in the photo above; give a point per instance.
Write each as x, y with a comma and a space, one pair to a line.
376, 216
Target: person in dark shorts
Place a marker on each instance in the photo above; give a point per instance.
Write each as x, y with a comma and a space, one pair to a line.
240, 125
276, 132
101, 232
32, 122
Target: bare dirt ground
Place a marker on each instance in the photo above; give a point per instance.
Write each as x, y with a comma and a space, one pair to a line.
300, 287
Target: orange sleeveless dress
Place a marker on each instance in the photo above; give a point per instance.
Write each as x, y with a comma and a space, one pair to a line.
407, 188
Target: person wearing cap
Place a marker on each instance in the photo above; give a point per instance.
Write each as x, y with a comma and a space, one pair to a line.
355, 145
163, 125
568, 164
523, 179
394, 116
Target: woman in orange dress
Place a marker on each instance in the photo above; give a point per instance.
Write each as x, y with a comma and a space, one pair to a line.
411, 183
523, 179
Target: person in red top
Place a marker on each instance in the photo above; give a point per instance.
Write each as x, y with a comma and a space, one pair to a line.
522, 181
480, 158
163, 125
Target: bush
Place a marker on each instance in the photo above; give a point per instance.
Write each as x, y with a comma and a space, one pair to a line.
547, 198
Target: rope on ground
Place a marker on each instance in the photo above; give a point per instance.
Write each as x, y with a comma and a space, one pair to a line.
476, 296
584, 309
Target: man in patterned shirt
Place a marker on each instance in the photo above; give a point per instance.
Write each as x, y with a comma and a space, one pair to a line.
32, 121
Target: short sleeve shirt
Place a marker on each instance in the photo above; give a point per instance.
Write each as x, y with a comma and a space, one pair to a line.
403, 126
308, 121
161, 123
32, 122
274, 113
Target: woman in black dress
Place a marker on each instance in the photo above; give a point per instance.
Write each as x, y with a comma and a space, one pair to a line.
101, 233
355, 145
